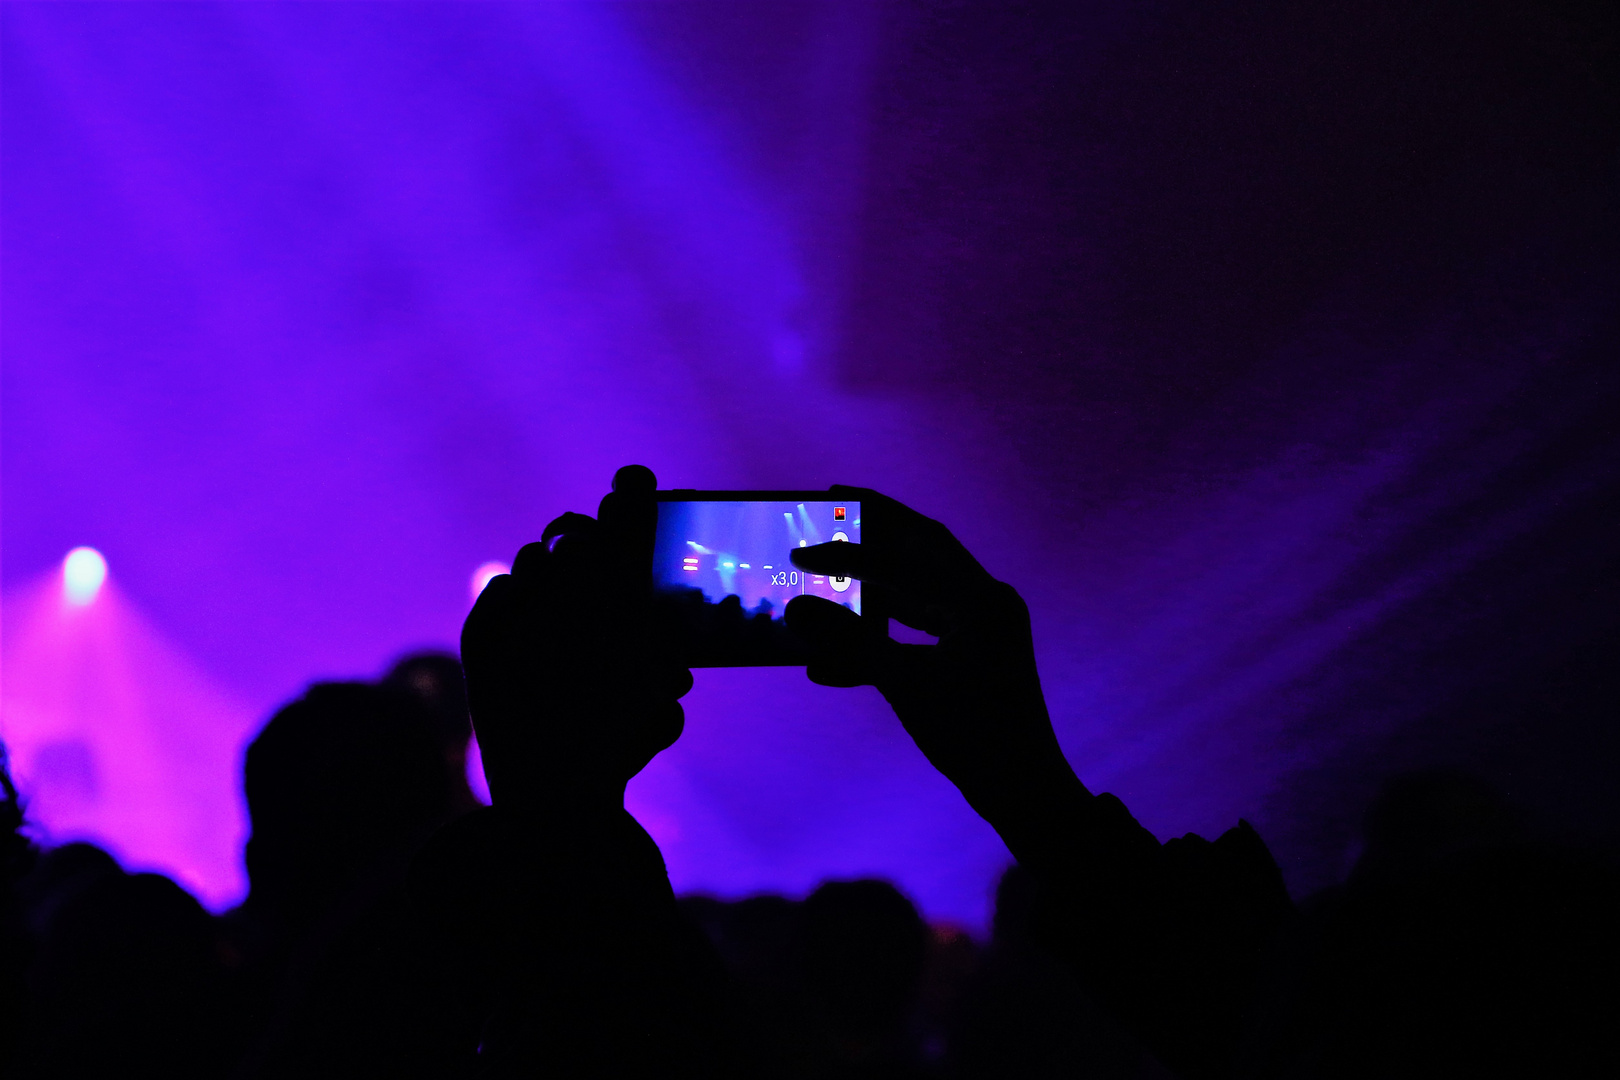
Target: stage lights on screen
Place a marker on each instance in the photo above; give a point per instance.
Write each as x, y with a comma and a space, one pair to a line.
84, 571
484, 575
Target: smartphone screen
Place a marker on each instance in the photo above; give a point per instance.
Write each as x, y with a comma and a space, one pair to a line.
722, 572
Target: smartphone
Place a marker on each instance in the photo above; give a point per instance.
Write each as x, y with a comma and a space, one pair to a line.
722, 572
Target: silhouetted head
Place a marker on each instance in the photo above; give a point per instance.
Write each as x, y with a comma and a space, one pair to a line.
59, 874
1464, 946
1419, 818
756, 937
11, 809
435, 679
345, 775
1496, 961
864, 947
15, 859
127, 979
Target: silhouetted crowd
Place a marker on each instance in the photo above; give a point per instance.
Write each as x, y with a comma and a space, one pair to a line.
395, 927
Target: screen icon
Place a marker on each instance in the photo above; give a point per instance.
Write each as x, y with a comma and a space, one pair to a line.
838, 513
839, 584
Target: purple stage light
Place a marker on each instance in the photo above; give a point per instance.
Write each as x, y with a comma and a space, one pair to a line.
83, 573
484, 575
117, 737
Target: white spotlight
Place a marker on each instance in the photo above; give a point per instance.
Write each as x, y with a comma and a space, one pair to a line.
83, 572
482, 576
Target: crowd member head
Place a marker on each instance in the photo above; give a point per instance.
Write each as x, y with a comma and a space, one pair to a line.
337, 975
757, 939
864, 948
1420, 818
59, 874
13, 844
1462, 944
347, 775
1024, 1012
127, 979
435, 679
15, 856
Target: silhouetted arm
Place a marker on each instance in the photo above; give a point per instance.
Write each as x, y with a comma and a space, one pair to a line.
1168, 935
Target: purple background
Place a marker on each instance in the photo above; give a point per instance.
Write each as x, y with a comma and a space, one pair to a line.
1268, 349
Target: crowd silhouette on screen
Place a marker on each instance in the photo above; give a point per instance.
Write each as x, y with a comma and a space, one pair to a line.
396, 927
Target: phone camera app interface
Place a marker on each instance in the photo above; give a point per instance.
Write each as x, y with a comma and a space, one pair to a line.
740, 549
724, 567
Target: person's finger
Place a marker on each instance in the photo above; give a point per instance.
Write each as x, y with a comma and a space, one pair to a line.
490, 614
657, 733
566, 524
674, 681
561, 537
629, 526
661, 718
629, 518
491, 642
842, 651
903, 550
844, 559
635, 479
819, 621
663, 725
925, 609
836, 557
531, 560
841, 671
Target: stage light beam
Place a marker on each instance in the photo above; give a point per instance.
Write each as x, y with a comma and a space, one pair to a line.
84, 571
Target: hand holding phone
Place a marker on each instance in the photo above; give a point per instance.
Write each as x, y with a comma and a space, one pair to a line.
973, 701
569, 694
